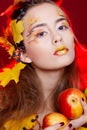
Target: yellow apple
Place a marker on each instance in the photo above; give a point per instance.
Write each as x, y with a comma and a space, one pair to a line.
85, 92
53, 118
69, 103
82, 128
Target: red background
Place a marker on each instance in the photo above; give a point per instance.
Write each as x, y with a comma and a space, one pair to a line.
76, 9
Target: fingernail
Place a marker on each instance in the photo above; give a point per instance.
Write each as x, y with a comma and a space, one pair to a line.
61, 123
74, 129
83, 99
70, 125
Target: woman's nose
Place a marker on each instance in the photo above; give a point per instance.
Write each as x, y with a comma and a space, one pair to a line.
57, 38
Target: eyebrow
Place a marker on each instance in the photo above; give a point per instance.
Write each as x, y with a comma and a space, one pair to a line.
44, 24
61, 19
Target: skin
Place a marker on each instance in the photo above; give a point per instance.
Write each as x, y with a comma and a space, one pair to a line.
46, 33
43, 47
40, 51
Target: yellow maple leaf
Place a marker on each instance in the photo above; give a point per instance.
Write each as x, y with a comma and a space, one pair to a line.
11, 74
17, 29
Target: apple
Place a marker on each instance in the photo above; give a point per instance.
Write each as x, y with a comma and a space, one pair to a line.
85, 92
82, 128
53, 118
69, 103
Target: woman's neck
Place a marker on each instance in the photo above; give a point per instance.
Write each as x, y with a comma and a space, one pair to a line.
49, 80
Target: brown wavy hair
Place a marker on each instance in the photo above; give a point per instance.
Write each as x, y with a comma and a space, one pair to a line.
26, 97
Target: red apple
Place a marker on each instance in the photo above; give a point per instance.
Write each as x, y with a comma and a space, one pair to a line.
69, 103
53, 118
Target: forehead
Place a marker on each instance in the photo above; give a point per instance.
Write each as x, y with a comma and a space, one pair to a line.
44, 11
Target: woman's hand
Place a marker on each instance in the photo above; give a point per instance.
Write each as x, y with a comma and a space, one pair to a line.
55, 127
73, 124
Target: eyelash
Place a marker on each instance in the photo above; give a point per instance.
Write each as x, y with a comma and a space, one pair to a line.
41, 34
63, 27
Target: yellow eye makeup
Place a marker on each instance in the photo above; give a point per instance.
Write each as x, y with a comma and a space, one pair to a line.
60, 12
31, 21
33, 35
65, 23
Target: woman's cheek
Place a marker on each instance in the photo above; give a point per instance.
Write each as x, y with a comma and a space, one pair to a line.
33, 51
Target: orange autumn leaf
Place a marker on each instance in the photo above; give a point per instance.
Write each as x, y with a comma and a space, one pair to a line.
7, 45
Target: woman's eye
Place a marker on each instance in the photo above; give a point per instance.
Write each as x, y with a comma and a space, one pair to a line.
63, 27
41, 34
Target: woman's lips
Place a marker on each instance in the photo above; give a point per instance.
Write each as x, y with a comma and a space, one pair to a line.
62, 50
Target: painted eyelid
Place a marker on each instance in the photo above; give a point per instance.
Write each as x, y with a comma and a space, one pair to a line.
63, 23
38, 31
38, 34
33, 32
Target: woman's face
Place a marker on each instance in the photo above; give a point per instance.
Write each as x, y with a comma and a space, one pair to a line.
48, 37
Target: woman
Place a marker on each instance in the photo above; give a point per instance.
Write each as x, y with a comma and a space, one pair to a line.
43, 39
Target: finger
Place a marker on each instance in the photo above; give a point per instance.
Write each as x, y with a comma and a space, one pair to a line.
75, 123
68, 127
55, 127
84, 105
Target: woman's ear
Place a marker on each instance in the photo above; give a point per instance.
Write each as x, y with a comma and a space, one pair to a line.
24, 58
